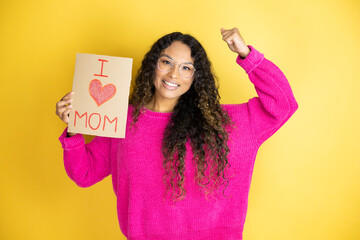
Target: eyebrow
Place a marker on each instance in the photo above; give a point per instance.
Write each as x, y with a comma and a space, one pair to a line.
173, 59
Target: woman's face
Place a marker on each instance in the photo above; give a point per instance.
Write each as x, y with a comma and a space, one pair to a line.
171, 85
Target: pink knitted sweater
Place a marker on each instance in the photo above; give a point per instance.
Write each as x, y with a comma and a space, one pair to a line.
135, 164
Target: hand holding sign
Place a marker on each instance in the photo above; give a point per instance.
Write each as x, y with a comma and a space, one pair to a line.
63, 107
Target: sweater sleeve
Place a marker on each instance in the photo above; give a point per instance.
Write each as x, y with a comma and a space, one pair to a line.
275, 102
86, 164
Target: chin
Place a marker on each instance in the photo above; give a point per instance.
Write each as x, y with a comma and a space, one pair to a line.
169, 96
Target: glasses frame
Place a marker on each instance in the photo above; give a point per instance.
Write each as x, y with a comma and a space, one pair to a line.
173, 65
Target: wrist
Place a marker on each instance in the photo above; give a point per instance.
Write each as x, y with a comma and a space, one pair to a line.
245, 53
69, 134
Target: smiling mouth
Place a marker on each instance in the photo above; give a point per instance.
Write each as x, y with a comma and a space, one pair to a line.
170, 84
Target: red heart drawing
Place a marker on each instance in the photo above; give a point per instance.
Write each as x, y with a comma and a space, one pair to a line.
99, 93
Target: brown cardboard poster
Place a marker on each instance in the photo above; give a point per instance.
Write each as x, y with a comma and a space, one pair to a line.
101, 91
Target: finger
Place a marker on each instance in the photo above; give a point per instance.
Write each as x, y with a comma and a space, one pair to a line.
59, 111
229, 33
227, 30
233, 36
226, 35
65, 116
65, 113
229, 38
237, 32
68, 95
63, 102
224, 31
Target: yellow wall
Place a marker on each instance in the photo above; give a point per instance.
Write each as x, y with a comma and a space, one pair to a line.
306, 180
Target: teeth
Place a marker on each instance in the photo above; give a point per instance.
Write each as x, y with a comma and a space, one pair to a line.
171, 84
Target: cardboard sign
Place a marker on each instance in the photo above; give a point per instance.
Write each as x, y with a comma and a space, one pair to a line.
101, 91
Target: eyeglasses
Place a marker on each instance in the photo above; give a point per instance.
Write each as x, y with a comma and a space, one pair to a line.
186, 70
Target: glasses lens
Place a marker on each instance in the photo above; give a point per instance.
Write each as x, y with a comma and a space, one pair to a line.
165, 64
186, 70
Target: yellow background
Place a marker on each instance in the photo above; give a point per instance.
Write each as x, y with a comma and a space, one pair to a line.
306, 179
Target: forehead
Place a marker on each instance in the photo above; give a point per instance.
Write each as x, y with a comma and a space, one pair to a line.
179, 52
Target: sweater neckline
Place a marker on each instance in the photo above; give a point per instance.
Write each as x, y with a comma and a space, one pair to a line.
157, 114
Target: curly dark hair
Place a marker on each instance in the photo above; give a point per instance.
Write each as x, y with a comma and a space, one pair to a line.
197, 116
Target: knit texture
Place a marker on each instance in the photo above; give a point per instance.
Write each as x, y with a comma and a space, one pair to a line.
135, 164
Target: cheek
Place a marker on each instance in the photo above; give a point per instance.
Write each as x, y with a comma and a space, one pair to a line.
155, 78
158, 75
157, 72
190, 82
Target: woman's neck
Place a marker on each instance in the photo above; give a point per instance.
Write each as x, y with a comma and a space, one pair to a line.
163, 105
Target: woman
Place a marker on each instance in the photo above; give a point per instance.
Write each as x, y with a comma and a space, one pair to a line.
180, 140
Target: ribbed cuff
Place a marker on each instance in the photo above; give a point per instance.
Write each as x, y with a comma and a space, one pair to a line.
69, 143
252, 60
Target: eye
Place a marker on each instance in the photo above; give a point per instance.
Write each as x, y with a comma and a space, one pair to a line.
187, 68
166, 62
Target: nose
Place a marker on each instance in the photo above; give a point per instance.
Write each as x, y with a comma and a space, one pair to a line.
174, 72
